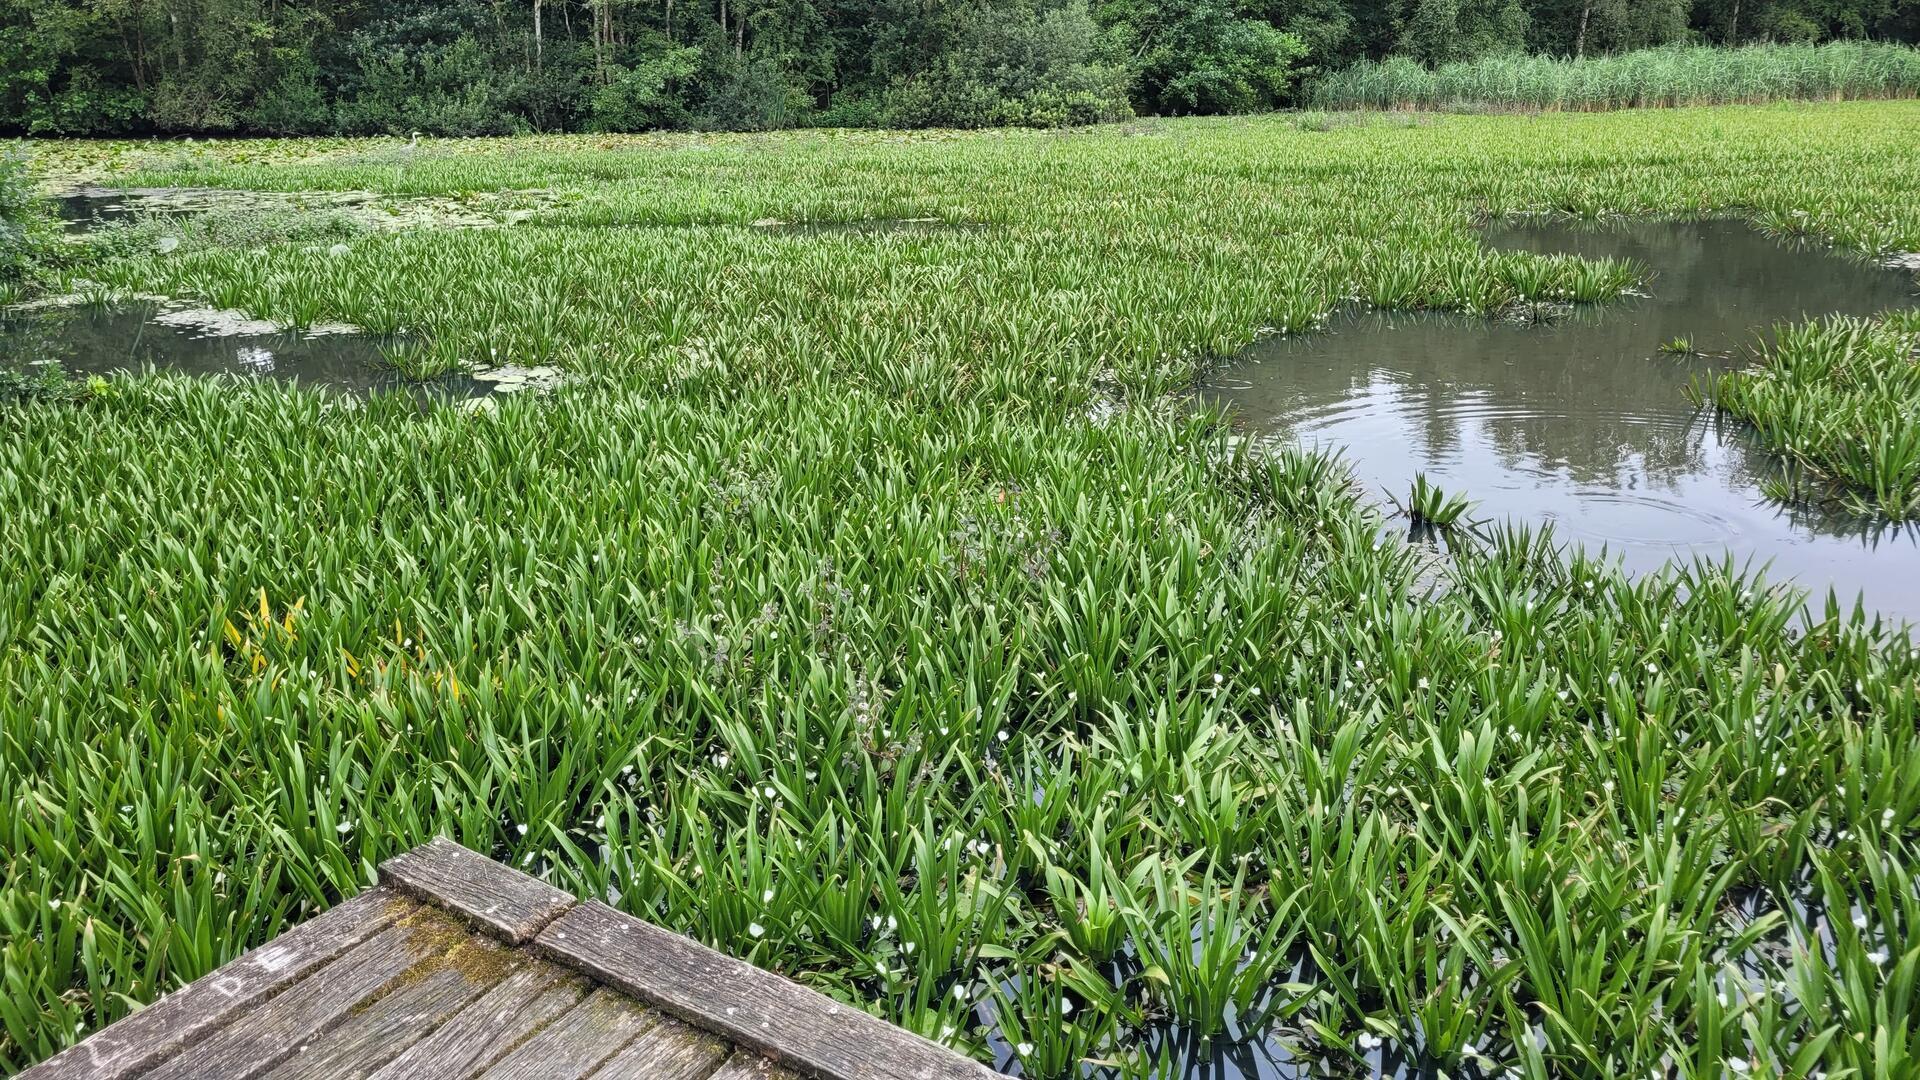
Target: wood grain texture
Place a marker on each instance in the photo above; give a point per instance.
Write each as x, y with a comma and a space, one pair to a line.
670, 1051
753, 1008
194, 1011
578, 1042
747, 1065
374, 1035
481, 1033
498, 899
263, 1037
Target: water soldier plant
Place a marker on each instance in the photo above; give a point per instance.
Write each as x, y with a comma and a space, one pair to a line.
1839, 399
817, 618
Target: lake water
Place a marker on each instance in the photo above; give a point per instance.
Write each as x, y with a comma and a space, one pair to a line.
99, 340
1583, 423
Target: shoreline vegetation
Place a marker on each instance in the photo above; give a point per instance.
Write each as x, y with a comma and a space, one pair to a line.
1671, 77
473, 67
814, 615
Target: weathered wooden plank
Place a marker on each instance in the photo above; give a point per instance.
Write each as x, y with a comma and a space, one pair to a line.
747, 1065
753, 1008
428, 995
257, 1041
191, 1013
498, 899
670, 1051
522, 1004
578, 1042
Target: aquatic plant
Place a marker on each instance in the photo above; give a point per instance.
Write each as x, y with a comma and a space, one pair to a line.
1430, 507
243, 228
816, 620
1839, 399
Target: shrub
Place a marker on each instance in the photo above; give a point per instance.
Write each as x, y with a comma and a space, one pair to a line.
29, 237
637, 97
1037, 64
1203, 57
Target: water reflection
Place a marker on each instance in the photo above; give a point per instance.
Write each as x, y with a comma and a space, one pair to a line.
1582, 422
95, 340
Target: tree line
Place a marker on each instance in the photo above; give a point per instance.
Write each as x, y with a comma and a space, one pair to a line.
483, 67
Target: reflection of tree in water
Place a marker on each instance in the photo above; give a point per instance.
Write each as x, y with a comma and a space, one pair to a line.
95, 339
27, 340
1589, 398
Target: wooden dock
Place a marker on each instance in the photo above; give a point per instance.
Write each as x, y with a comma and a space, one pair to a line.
456, 967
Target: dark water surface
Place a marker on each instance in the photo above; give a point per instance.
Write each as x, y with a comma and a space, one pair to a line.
1583, 422
93, 340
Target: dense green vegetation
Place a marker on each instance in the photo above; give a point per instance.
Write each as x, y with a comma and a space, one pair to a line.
1674, 76
28, 236
866, 608
479, 67
1841, 399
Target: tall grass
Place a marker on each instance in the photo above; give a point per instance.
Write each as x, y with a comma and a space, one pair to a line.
1672, 76
814, 618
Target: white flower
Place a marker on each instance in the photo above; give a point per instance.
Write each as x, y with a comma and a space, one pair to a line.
1738, 1064
1024, 1049
756, 929
1878, 956
521, 829
343, 828
766, 897
1369, 1041
769, 791
1860, 920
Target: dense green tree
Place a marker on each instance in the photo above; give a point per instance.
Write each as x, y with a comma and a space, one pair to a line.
1203, 55
86, 67
1437, 31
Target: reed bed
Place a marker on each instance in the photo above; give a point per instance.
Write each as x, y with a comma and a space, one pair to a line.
865, 608
1664, 77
